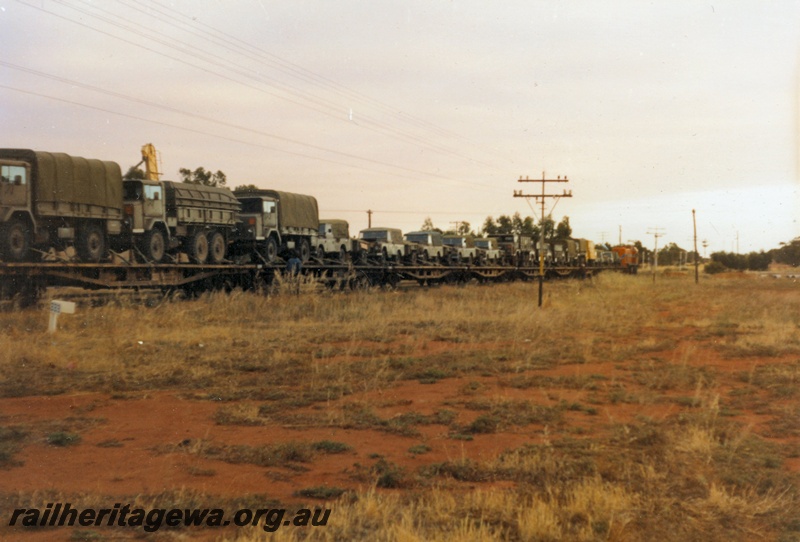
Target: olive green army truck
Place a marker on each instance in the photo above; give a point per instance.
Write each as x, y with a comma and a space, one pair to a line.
166, 216
56, 200
278, 223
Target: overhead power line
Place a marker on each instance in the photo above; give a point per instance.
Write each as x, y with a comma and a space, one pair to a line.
307, 100
211, 120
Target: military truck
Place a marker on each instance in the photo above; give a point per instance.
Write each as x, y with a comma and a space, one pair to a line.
429, 245
164, 216
278, 223
384, 244
488, 249
460, 251
55, 200
333, 239
587, 254
543, 251
517, 249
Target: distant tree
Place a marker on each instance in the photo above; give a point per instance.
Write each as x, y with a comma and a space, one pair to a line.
759, 261
563, 229
504, 224
134, 173
529, 227
489, 226
427, 225
671, 254
788, 253
245, 188
201, 176
508, 224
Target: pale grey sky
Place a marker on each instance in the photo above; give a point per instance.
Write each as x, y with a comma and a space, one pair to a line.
434, 108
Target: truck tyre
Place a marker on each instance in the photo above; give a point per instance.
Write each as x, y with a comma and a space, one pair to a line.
320, 254
91, 244
198, 247
303, 250
342, 254
270, 250
216, 247
15, 242
154, 246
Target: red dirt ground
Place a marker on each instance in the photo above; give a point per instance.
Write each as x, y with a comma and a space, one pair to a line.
151, 430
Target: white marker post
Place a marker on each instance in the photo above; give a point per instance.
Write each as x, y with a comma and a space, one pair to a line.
56, 308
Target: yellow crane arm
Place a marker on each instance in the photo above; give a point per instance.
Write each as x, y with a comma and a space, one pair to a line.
150, 162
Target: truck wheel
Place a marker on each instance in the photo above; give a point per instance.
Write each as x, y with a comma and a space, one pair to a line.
303, 250
270, 250
15, 241
320, 254
217, 247
342, 254
198, 247
154, 246
91, 244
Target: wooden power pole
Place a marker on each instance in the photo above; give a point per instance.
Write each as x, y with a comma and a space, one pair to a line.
540, 198
696, 254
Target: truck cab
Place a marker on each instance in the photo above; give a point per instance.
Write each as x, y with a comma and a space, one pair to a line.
516, 249
259, 218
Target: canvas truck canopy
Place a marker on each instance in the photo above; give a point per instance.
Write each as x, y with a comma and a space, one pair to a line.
61, 180
200, 204
294, 210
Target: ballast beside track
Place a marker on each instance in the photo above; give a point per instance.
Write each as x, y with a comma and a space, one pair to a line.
27, 281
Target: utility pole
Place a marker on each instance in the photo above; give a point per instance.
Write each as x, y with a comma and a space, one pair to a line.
457, 224
620, 235
696, 263
369, 218
540, 198
656, 234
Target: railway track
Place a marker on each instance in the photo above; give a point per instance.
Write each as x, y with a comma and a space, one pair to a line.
25, 283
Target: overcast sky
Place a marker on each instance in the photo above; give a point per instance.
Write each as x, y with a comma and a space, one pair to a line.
434, 108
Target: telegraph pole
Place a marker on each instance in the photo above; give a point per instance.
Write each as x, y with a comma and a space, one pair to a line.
540, 198
696, 255
369, 218
656, 234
